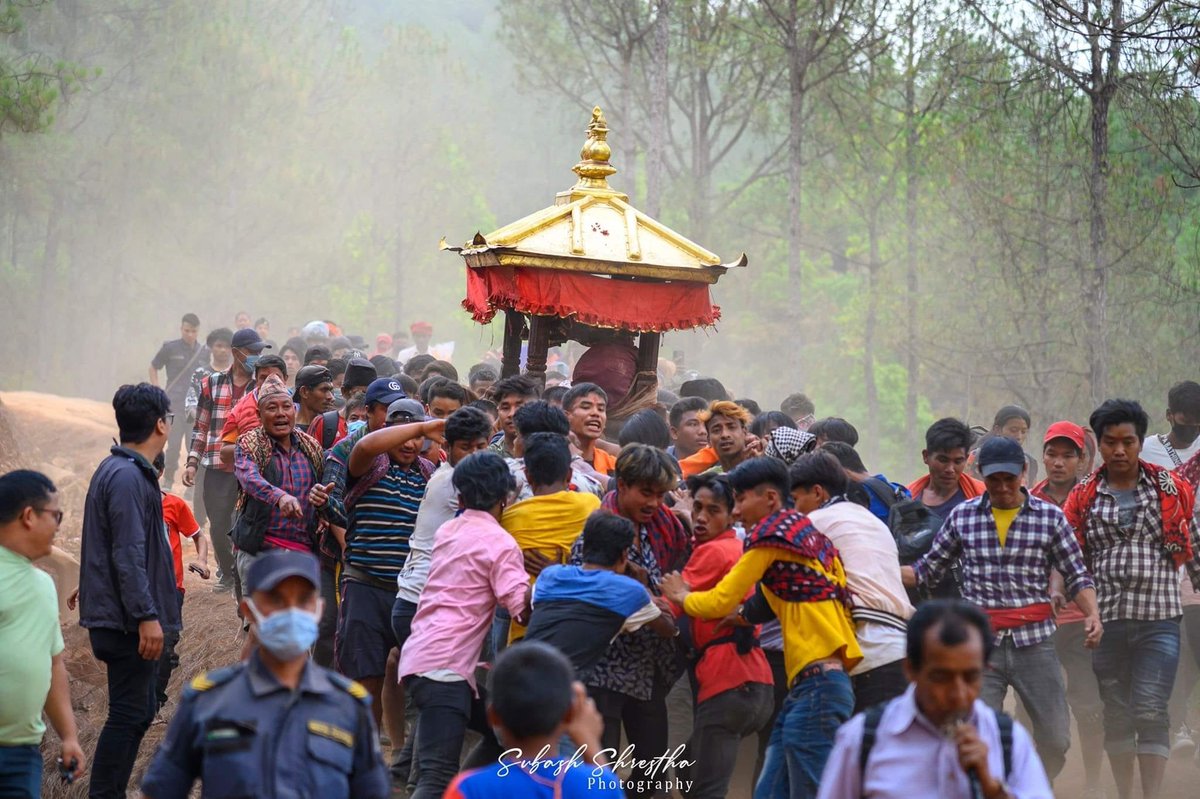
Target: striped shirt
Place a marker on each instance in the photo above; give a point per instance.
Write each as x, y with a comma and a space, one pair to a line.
382, 521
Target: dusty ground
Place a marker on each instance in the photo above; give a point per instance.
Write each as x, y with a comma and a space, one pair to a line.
66, 438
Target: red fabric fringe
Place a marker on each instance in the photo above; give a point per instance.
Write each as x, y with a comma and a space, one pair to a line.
592, 300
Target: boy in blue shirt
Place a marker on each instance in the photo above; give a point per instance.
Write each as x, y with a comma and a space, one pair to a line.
535, 700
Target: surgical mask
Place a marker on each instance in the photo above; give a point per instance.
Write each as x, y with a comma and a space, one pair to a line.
251, 362
286, 634
355, 426
337, 396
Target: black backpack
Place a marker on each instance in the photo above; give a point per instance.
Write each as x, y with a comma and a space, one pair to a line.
329, 429
871, 727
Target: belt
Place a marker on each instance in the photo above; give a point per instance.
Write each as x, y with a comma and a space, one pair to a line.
812, 670
359, 576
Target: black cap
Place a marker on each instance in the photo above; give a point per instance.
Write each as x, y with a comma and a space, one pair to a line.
359, 372
276, 565
312, 376
404, 411
248, 339
1000, 454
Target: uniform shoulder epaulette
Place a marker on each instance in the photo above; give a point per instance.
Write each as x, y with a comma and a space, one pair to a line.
352, 687
207, 680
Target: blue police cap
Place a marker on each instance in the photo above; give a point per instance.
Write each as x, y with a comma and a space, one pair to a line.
276, 565
1000, 454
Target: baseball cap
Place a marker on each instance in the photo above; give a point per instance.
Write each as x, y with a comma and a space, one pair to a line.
423, 328
405, 411
312, 376
384, 390
359, 372
248, 339
276, 565
1000, 454
1068, 430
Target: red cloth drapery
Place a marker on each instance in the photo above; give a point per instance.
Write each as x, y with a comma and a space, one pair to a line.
592, 300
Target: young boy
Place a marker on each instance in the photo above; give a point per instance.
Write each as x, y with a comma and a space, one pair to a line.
535, 701
180, 523
547, 524
581, 609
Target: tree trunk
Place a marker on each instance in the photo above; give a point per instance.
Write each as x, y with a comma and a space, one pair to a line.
47, 367
796, 93
656, 150
911, 140
1103, 87
872, 390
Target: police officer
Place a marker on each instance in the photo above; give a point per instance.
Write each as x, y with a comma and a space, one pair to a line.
275, 725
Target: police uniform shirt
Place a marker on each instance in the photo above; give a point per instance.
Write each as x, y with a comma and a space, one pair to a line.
243, 734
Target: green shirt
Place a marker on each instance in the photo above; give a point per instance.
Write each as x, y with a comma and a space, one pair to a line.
29, 638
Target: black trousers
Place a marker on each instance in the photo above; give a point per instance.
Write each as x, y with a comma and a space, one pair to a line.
220, 495
645, 723
879, 685
168, 661
132, 702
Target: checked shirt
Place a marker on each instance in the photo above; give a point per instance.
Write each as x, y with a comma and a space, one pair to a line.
1136, 578
1012, 576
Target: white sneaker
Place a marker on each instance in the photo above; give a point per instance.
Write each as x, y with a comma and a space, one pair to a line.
1184, 745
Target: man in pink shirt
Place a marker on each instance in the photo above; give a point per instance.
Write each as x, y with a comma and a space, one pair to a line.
475, 566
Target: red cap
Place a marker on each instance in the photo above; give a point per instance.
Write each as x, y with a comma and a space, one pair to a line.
421, 327
1068, 430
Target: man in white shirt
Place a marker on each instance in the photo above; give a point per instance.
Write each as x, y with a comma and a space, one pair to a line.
881, 607
938, 737
1172, 450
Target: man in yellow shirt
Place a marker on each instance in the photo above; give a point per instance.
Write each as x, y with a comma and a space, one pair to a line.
804, 584
546, 525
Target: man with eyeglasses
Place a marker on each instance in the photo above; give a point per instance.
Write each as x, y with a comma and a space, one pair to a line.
801, 409
127, 594
31, 641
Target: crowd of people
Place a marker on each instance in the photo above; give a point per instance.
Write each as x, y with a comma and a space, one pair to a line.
522, 588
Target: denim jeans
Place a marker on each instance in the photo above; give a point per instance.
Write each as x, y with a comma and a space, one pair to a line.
803, 736
1035, 673
132, 702
447, 710
1135, 667
878, 685
722, 721
21, 772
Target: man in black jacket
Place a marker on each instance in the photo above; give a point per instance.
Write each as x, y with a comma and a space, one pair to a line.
127, 596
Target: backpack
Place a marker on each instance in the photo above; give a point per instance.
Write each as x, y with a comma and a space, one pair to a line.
329, 429
914, 527
871, 727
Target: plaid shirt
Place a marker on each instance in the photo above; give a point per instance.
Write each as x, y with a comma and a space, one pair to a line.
1012, 576
214, 402
1135, 576
295, 477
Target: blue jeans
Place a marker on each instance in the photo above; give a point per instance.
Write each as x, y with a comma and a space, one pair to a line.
1036, 674
803, 736
1135, 667
21, 771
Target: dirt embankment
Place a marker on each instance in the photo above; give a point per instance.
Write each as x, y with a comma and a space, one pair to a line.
66, 438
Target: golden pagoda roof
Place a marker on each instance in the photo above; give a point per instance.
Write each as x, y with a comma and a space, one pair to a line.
592, 228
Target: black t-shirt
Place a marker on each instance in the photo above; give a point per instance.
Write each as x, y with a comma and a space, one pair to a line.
180, 361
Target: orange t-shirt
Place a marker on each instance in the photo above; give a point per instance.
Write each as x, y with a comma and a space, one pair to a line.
179, 521
603, 463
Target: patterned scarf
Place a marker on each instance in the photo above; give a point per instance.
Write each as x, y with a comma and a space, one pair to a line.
668, 539
258, 447
787, 444
1176, 499
791, 581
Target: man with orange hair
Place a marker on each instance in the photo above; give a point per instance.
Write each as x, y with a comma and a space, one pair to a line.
726, 423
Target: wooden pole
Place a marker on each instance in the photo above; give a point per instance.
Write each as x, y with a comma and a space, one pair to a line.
539, 347
510, 363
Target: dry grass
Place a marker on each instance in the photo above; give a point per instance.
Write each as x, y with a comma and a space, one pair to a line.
66, 439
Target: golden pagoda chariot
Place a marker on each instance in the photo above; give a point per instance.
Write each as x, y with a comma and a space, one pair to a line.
594, 269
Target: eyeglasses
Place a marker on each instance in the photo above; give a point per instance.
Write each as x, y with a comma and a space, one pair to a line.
170, 417
58, 514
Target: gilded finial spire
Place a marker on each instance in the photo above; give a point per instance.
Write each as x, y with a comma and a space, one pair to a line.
594, 169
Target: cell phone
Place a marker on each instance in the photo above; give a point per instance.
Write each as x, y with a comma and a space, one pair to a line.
66, 772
